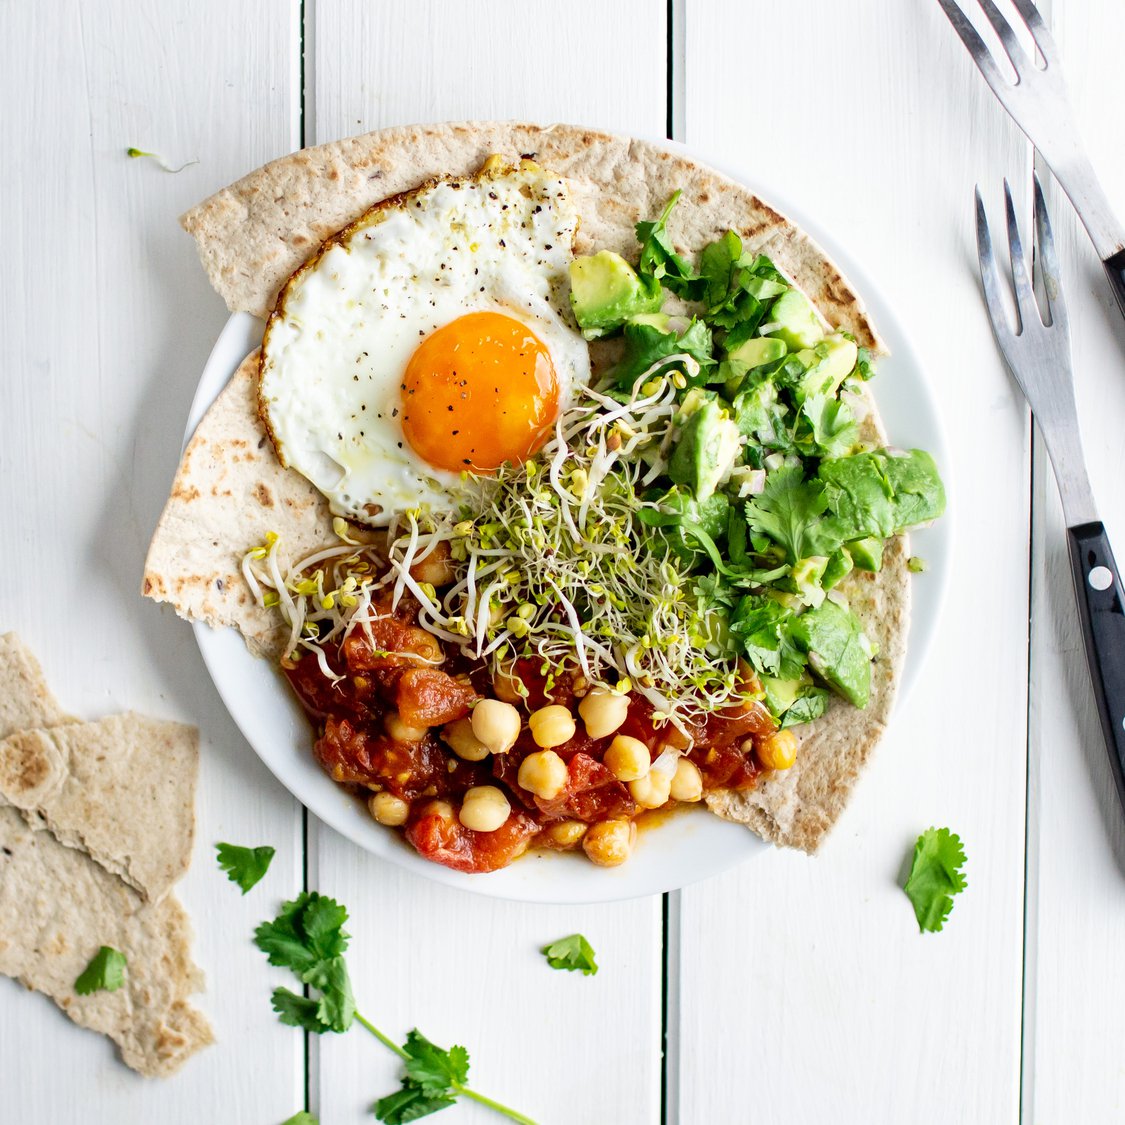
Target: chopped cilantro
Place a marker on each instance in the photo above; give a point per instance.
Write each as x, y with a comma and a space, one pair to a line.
571, 953
935, 877
659, 259
789, 511
104, 973
244, 866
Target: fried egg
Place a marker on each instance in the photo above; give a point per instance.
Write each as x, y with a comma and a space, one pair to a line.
431, 339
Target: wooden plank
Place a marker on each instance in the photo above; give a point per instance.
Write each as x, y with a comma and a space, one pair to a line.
807, 977
1076, 915
106, 322
460, 967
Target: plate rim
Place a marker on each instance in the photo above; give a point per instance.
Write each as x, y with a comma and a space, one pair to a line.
610, 885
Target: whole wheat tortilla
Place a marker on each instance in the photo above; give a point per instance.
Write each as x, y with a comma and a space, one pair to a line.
229, 491
58, 907
121, 789
252, 235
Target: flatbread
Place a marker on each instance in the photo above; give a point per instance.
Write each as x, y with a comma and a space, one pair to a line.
229, 491
58, 907
121, 789
252, 235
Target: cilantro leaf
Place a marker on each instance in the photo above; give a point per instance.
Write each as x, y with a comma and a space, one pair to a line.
432, 1068
298, 1011
244, 866
104, 973
761, 627
302, 1117
935, 877
834, 428
336, 1007
571, 953
789, 511
646, 346
659, 259
811, 703
306, 930
409, 1104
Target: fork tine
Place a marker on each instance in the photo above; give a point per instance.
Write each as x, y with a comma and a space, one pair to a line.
1025, 295
1039, 32
989, 276
976, 45
1004, 29
1049, 262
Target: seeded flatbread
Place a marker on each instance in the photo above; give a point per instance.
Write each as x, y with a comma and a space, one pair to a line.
121, 789
252, 235
58, 907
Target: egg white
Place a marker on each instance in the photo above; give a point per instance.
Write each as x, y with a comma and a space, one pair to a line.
346, 325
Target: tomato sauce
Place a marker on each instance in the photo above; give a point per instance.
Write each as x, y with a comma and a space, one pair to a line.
378, 728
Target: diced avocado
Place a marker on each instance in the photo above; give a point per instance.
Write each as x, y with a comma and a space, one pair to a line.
867, 554
835, 362
806, 576
605, 292
656, 320
839, 566
800, 327
780, 694
757, 351
838, 650
708, 447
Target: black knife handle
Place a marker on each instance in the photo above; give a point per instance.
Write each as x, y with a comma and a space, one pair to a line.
1097, 586
1115, 271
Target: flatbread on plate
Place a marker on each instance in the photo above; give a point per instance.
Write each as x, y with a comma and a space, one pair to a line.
58, 907
252, 235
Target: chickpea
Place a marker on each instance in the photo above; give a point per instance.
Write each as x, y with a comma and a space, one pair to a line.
565, 834
652, 790
496, 725
603, 711
388, 809
441, 809
507, 685
551, 726
610, 842
484, 809
778, 751
461, 740
627, 758
543, 773
436, 568
687, 781
399, 731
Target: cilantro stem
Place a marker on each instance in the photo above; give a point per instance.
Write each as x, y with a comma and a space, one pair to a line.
385, 1040
511, 1114
482, 1100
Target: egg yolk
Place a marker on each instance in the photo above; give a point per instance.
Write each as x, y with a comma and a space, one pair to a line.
477, 392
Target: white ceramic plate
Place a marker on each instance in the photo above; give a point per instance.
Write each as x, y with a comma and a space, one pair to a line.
686, 847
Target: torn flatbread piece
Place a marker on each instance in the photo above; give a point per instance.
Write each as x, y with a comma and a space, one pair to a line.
58, 907
230, 491
121, 789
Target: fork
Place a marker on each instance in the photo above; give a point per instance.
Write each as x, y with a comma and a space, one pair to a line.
1040, 106
1037, 353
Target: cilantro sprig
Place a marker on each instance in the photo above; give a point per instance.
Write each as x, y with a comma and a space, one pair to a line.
935, 877
244, 866
104, 973
307, 937
573, 953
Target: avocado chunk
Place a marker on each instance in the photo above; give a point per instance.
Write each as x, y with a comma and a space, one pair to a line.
707, 450
756, 351
657, 320
838, 650
605, 292
800, 327
839, 567
807, 575
835, 361
780, 694
867, 554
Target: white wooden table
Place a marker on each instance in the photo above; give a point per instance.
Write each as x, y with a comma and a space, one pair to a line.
792, 989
